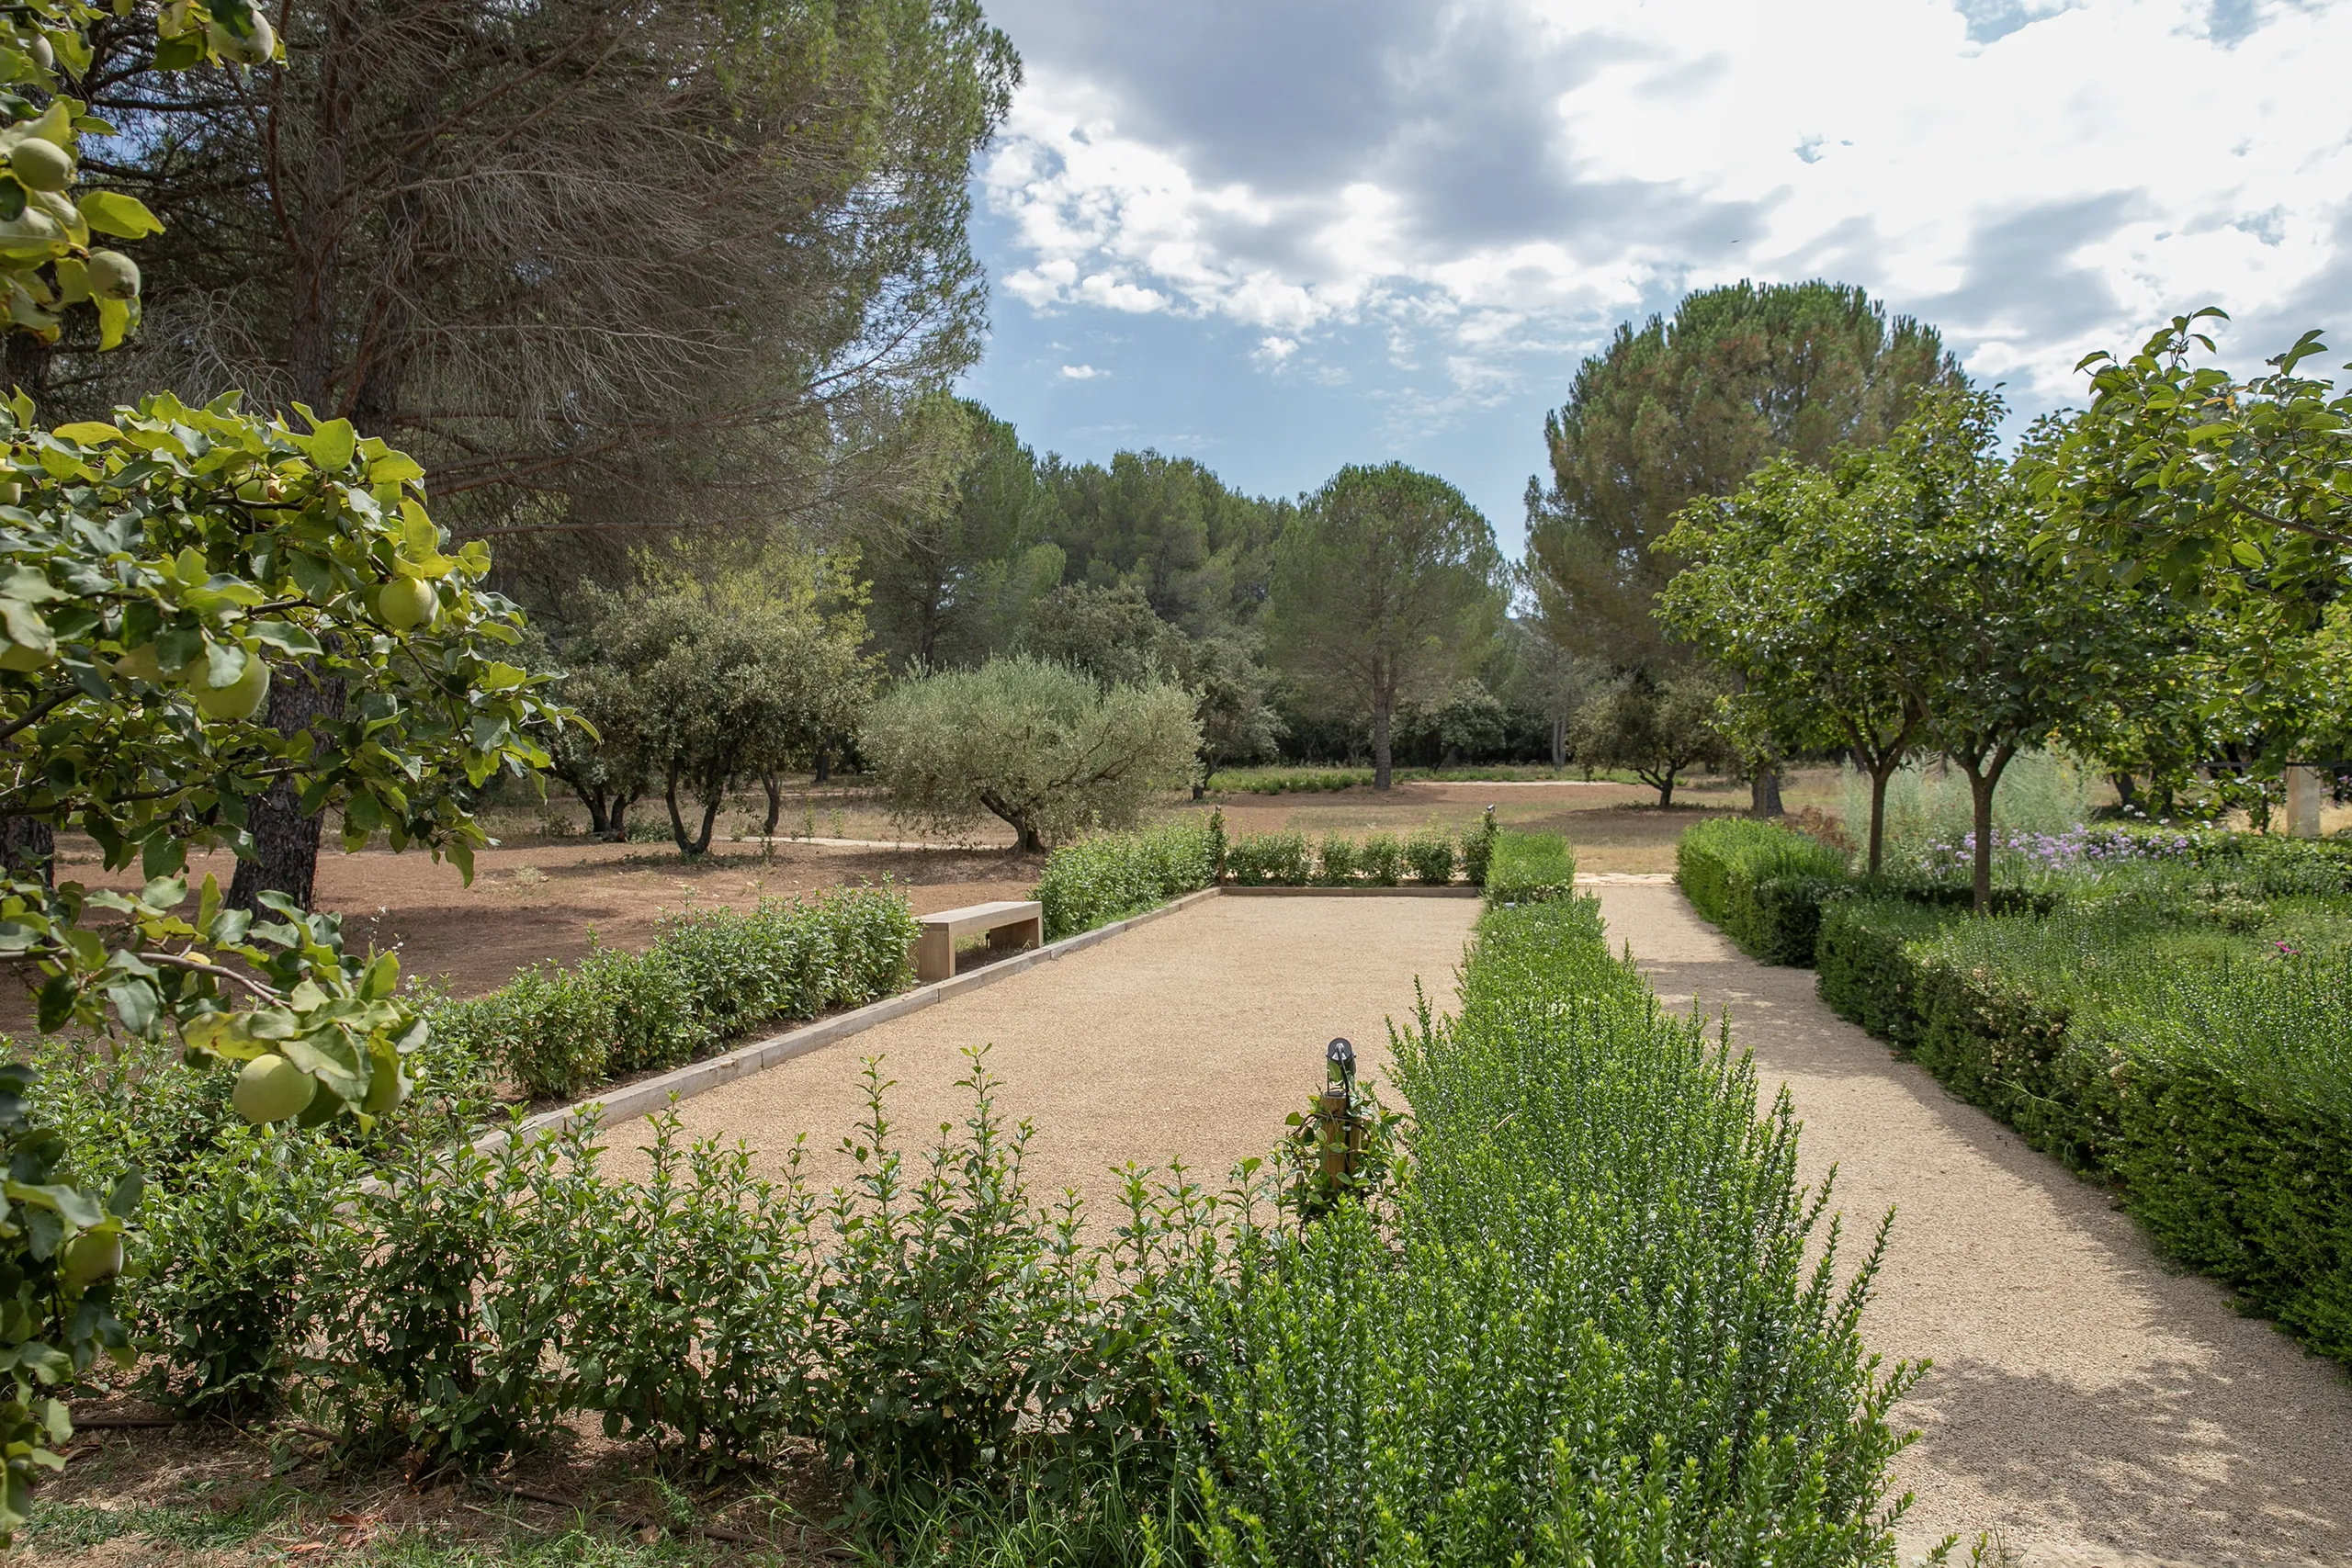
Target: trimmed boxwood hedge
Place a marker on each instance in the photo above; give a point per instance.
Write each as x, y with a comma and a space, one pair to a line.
1763, 883
2203, 1066
1529, 868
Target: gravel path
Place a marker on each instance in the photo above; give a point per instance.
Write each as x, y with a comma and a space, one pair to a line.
1192, 1036
2087, 1401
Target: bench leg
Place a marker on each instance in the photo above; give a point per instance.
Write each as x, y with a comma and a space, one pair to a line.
935, 954
1021, 934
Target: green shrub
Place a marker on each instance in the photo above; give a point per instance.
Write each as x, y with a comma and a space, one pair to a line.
1271, 860
710, 976
1114, 875
1529, 868
1597, 1326
1383, 858
1479, 847
1763, 883
223, 1238
1429, 857
1338, 859
2147, 1035
1286, 781
551, 1028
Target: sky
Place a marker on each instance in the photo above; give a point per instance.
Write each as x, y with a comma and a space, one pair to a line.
1284, 235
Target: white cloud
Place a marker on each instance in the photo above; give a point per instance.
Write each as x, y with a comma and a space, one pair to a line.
2037, 176
1081, 372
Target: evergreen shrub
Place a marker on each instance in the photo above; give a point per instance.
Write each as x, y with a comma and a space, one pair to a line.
1430, 856
1529, 868
1113, 875
2157, 1037
1336, 861
1763, 883
1587, 1330
1383, 857
1271, 860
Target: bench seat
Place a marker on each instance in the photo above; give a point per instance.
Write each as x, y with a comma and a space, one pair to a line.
1009, 922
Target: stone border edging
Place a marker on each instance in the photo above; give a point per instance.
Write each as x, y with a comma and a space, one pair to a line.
1282, 891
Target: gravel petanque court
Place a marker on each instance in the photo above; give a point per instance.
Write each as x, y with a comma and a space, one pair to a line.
1193, 1036
2092, 1404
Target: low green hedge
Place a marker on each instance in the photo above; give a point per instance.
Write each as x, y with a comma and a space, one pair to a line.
1597, 1323
709, 975
1529, 868
2200, 1059
1115, 875
1763, 883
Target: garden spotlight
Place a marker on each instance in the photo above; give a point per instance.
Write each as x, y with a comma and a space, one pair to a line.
1339, 1058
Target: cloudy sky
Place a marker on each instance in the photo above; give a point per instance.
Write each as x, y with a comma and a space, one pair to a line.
1282, 235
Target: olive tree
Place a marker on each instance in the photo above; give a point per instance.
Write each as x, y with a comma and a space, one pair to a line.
1047, 750
1386, 584
1656, 728
694, 690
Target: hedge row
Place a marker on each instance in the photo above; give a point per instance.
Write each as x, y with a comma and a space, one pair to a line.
711, 974
1115, 875
1761, 883
2200, 1058
1529, 868
1586, 1330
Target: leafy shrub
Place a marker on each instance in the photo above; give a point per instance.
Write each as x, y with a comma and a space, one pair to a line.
551, 1028
224, 1237
1383, 859
1286, 781
1599, 1269
1529, 868
1337, 859
1271, 860
1429, 857
1114, 875
1479, 847
1761, 883
2147, 1036
710, 974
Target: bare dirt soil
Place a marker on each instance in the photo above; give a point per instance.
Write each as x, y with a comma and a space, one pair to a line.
1189, 1037
548, 900
2090, 1401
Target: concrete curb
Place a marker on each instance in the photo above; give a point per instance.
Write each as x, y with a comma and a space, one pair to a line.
1465, 891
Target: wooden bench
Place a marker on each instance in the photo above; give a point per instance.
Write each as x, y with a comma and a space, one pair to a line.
1010, 922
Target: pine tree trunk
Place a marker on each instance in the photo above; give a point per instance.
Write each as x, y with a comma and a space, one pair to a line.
1383, 708
28, 849
286, 841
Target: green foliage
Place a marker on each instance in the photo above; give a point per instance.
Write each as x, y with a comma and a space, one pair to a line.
1287, 781
57, 1291
710, 976
1478, 848
1383, 859
2170, 1034
1387, 582
1337, 860
1430, 856
692, 688
1529, 868
1656, 728
1689, 407
1604, 1265
1763, 883
1270, 860
1050, 751
1113, 875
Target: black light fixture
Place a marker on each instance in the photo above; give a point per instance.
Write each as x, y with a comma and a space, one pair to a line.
1340, 1062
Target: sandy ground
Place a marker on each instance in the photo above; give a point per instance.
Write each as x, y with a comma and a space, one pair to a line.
2088, 1401
1192, 1036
